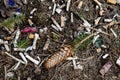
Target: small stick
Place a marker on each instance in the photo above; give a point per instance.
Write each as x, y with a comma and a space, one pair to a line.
99, 31
56, 23
109, 24
98, 2
46, 44
15, 58
113, 32
77, 45
5, 72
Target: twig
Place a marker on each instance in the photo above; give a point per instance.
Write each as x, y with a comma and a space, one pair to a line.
78, 44
14, 58
99, 31
5, 72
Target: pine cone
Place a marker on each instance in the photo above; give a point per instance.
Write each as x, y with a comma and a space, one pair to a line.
59, 56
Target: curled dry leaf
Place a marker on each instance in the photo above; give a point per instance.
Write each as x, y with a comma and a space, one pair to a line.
59, 56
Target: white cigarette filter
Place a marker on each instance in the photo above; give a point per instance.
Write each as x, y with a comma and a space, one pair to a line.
54, 8
33, 10
35, 40
16, 37
68, 5
46, 44
32, 59
105, 56
16, 66
23, 57
118, 61
6, 46
56, 24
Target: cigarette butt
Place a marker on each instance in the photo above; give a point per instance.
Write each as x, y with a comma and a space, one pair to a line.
30, 22
105, 56
101, 12
33, 10
80, 4
62, 21
71, 17
8, 38
98, 2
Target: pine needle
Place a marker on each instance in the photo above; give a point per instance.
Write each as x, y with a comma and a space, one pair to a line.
12, 21
23, 43
82, 41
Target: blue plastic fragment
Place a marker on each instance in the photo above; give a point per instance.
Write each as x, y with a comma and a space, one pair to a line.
19, 9
11, 3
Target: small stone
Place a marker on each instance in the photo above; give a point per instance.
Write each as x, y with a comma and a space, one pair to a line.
31, 36
112, 1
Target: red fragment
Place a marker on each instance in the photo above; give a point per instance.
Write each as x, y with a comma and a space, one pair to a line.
29, 30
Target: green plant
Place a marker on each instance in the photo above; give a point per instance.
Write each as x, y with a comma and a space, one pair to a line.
80, 14
12, 21
76, 42
23, 43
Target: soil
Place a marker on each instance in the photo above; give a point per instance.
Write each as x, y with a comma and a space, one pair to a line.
91, 61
